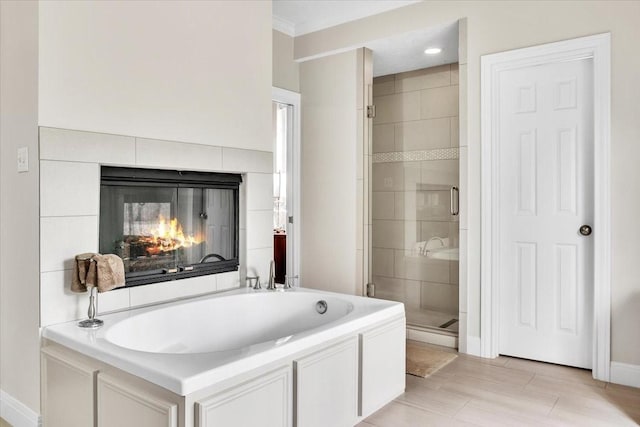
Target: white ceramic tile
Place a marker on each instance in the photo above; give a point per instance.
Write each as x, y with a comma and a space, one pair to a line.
396, 176
384, 138
412, 294
438, 102
116, 299
389, 288
242, 205
405, 204
177, 155
258, 263
463, 107
242, 255
228, 280
423, 79
259, 229
392, 234
410, 266
455, 131
359, 284
462, 282
423, 135
388, 177
441, 297
431, 204
238, 160
62, 238
383, 260
73, 145
383, 85
359, 213
464, 187
454, 273
398, 108
434, 229
259, 188
384, 205
440, 172
454, 74
57, 303
69, 188
165, 291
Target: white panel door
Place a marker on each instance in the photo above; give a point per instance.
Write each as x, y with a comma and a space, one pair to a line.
545, 196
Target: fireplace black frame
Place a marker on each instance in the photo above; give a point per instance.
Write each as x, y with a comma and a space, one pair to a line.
138, 177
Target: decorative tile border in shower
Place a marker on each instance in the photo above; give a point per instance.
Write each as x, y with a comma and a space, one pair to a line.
414, 156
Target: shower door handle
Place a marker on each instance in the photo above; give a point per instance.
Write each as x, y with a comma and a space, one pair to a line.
454, 200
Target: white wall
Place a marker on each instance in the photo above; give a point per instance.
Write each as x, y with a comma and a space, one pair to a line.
328, 172
19, 314
174, 70
286, 72
495, 26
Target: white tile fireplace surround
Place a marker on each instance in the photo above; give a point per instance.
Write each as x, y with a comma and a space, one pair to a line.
70, 200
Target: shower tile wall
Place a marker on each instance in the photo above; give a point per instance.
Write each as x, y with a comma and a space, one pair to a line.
415, 162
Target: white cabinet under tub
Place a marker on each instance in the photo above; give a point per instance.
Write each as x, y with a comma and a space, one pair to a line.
251, 403
326, 386
336, 384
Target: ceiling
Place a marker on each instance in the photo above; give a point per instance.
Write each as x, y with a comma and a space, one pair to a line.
404, 52
297, 17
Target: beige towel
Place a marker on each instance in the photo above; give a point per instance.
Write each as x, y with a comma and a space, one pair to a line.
80, 271
105, 272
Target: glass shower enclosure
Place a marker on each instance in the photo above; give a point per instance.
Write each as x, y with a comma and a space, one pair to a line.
414, 195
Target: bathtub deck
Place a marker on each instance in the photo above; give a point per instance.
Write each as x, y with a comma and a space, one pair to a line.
506, 391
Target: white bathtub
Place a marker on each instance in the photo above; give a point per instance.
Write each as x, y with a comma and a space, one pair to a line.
185, 346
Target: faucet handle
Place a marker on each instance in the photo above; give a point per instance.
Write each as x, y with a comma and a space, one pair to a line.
272, 276
257, 285
289, 280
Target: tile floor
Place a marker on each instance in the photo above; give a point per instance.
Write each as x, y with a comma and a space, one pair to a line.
506, 391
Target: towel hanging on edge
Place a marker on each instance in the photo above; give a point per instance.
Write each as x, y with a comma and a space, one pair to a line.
80, 270
105, 272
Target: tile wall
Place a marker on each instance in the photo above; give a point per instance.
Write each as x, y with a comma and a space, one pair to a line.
69, 206
415, 162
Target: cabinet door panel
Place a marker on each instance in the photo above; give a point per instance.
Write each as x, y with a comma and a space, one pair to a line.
264, 401
326, 386
124, 405
383, 365
67, 390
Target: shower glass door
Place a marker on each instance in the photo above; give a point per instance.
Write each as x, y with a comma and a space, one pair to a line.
415, 180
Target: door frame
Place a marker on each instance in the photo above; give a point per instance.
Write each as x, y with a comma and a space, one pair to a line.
285, 96
597, 48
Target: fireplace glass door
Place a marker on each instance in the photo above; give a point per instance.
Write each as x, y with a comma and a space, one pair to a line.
182, 225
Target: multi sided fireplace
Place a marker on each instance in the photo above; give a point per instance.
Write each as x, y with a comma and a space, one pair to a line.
167, 225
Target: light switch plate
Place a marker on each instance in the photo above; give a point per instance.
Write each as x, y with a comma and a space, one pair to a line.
23, 159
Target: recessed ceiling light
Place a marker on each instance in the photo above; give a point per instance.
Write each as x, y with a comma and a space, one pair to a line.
432, 50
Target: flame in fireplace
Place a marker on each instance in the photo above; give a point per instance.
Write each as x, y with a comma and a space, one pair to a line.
168, 236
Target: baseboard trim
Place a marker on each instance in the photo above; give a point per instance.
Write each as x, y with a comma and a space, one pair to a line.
625, 374
473, 346
17, 413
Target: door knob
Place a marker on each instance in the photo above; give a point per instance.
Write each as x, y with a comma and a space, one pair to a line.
585, 230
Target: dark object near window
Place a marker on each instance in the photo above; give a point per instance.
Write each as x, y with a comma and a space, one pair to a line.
169, 225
